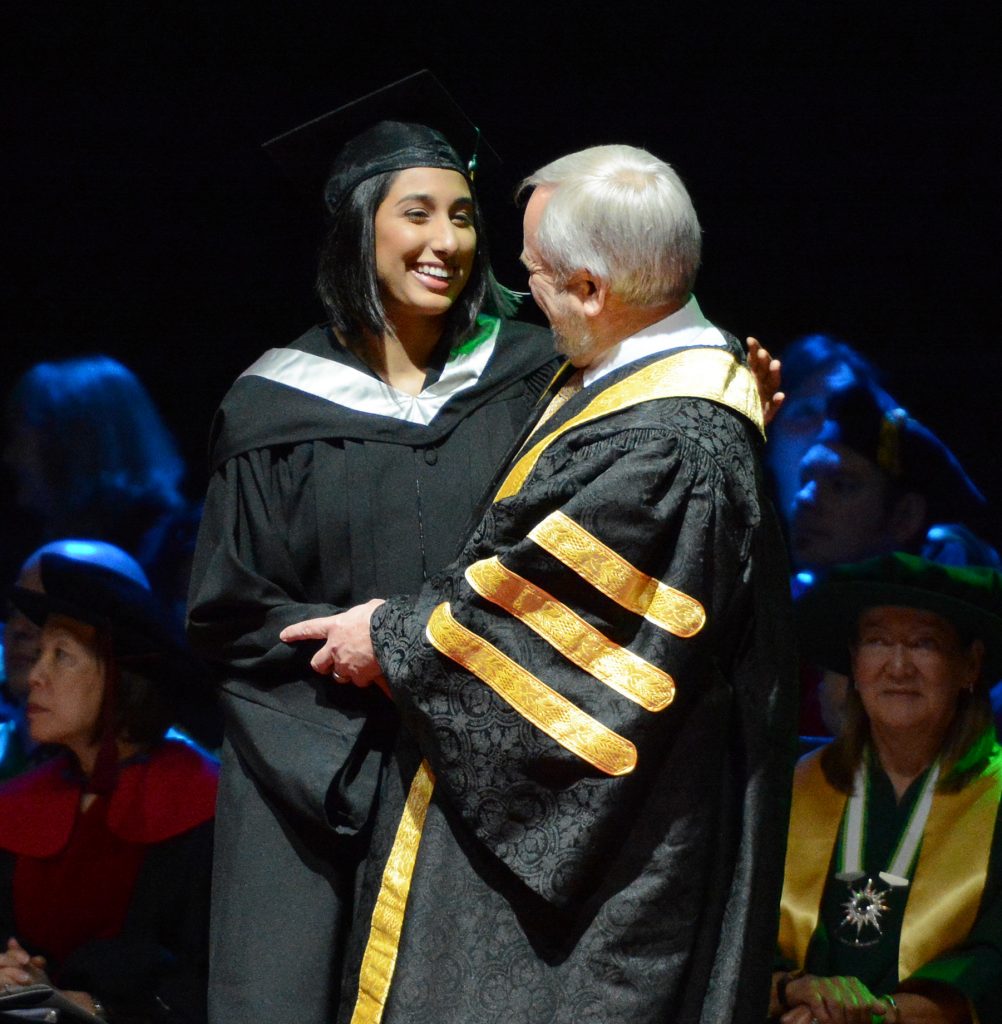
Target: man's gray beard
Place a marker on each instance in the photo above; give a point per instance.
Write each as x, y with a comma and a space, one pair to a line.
580, 343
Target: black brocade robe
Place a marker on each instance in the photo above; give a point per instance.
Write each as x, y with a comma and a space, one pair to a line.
560, 841
314, 507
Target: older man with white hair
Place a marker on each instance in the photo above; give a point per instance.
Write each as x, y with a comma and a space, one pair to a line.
582, 820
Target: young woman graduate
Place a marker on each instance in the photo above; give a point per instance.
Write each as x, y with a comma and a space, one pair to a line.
345, 467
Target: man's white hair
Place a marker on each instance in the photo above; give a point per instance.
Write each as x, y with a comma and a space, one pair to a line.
625, 216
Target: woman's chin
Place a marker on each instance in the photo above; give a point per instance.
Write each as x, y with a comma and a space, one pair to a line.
40, 736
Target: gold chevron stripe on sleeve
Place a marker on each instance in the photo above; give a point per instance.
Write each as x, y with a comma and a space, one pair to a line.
546, 709
582, 644
615, 577
380, 957
709, 373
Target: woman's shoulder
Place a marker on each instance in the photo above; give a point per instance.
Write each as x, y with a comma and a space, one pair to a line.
531, 333
808, 770
270, 402
317, 340
38, 809
163, 793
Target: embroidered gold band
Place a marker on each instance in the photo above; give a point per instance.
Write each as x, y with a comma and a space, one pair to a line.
561, 720
951, 871
610, 573
949, 877
380, 957
709, 373
582, 644
815, 817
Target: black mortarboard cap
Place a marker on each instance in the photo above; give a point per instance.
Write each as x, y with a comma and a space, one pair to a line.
968, 596
411, 123
140, 628
864, 418
102, 597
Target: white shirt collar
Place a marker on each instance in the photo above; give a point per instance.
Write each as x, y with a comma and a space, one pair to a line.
686, 326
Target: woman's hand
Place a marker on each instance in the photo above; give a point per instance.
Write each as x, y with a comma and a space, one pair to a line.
767, 378
798, 1015
835, 1000
18, 967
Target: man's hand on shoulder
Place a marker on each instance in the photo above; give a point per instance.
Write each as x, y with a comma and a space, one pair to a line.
767, 378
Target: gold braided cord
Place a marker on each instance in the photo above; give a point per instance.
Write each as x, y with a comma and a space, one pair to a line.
622, 670
614, 576
546, 709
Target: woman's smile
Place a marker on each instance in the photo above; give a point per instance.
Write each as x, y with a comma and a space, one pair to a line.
435, 276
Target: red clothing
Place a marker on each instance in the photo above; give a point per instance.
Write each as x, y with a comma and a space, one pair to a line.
75, 872
81, 893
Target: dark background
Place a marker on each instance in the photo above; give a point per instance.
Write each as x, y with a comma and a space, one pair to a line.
842, 157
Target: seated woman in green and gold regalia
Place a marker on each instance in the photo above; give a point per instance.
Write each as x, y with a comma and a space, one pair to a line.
892, 899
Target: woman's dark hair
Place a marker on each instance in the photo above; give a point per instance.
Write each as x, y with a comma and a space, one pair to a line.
143, 714
973, 716
348, 285
105, 452
141, 710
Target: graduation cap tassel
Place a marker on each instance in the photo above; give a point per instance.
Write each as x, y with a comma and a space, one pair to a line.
471, 166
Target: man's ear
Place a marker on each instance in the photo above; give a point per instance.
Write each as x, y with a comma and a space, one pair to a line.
590, 291
908, 518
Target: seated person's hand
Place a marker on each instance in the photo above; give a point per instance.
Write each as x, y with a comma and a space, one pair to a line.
835, 1000
18, 967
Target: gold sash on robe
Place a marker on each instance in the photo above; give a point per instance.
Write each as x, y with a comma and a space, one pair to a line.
949, 877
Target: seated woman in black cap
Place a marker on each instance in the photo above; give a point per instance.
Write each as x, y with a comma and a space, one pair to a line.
892, 899
105, 850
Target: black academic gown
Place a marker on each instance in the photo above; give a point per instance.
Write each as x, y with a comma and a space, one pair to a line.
314, 507
584, 823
